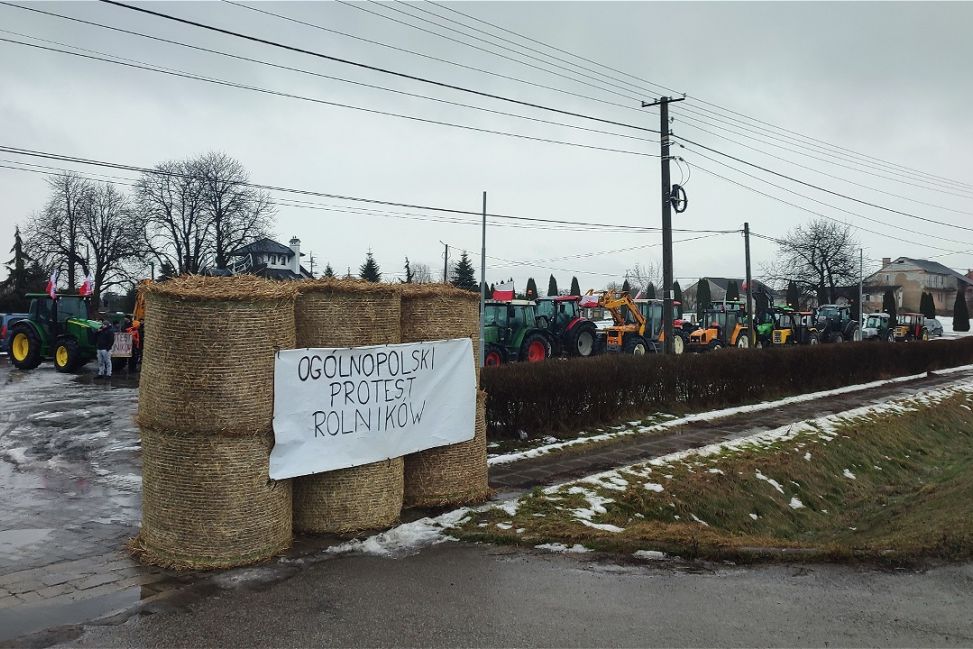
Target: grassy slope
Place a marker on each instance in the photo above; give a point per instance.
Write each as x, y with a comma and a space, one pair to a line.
911, 496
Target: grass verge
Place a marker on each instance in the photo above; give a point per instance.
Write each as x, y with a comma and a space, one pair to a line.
894, 484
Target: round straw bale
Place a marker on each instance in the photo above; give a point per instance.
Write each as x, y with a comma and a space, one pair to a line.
439, 312
450, 475
346, 313
207, 501
349, 500
209, 353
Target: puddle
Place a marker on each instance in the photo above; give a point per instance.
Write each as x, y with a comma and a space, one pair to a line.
11, 540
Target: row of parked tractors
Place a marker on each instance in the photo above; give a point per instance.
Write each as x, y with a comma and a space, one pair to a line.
533, 330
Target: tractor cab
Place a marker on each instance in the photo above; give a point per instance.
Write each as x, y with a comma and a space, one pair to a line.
836, 325
55, 328
512, 332
723, 325
795, 328
911, 326
570, 331
878, 326
651, 311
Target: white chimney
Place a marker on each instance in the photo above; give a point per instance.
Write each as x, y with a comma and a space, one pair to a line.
295, 245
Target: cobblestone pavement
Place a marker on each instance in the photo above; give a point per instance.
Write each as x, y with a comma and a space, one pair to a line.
70, 482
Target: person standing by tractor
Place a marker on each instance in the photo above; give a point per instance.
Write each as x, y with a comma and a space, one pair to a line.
104, 341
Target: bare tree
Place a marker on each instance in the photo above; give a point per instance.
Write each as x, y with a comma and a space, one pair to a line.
53, 236
421, 274
170, 202
112, 234
818, 257
644, 274
236, 213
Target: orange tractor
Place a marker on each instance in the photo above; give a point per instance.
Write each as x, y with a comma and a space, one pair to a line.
724, 324
637, 324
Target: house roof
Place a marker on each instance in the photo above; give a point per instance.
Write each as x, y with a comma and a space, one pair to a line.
723, 282
264, 246
933, 267
276, 273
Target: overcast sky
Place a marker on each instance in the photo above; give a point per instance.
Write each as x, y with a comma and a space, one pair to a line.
889, 80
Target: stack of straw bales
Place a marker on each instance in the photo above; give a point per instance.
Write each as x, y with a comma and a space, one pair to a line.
457, 473
206, 414
348, 313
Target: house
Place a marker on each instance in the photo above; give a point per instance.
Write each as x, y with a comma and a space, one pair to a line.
270, 259
908, 279
717, 291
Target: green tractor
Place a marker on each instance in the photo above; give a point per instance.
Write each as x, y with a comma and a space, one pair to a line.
57, 329
511, 333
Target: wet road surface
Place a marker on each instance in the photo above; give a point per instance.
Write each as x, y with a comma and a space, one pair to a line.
461, 595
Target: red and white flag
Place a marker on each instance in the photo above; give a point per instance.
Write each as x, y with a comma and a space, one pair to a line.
503, 291
52, 285
87, 286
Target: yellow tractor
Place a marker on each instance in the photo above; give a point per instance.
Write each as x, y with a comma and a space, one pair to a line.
724, 324
637, 327
795, 328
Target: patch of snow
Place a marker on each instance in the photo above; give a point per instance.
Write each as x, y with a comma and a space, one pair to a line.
17, 455
653, 486
649, 555
504, 526
796, 503
699, 520
848, 474
753, 516
807, 456
719, 471
520, 530
770, 481
510, 506
406, 539
560, 547
601, 526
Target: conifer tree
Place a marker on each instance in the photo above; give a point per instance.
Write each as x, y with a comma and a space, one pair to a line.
552, 286
626, 287
464, 276
408, 273
703, 297
732, 290
677, 296
793, 296
961, 312
328, 271
888, 305
650, 291
369, 271
531, 292
575, 287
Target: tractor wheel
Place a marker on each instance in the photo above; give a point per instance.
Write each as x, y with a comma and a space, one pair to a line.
715, 346
67, 355
837, 338
536, 348
25, 348
493, 356
634, 345
743, 340
582, 342
813, 339
891, 337
678, 344
856, 335
925, 334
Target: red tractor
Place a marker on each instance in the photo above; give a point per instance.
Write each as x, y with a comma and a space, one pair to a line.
572, 334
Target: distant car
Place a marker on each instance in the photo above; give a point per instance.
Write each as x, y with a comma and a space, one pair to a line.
934, 326
6, 320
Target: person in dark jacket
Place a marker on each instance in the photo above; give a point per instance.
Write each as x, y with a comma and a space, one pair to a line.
104, 341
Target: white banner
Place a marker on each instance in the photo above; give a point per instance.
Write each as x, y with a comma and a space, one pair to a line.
339, 408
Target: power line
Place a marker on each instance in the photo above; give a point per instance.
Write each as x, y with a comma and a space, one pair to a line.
430, 57
899, 168
288, 68
306, 192
824, 189
365, 66
232, 84
815, 212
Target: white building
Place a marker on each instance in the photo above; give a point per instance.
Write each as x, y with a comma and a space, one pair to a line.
270, 259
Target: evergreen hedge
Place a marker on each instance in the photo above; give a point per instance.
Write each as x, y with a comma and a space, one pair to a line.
562, 395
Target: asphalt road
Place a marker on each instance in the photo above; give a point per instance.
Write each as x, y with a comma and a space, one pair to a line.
460, 595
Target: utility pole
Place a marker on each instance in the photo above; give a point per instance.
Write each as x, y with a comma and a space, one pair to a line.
861, 286
310, 263
483, 285
445, 264
746, 245
667, 296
